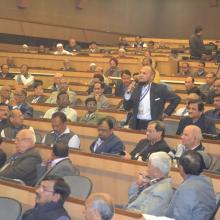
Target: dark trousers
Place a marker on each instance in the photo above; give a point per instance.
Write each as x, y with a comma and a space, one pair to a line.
141, 124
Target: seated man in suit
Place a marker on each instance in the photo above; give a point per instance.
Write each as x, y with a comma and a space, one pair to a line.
122, 86
92, 116
63, 87
56, 82
99, 206
184, 70
61, 133
148, 99
151, 193
5, 74
24, 77
58, 164
191, 87
195, 197
38, 95
63, 105
101, 99
197, 117
15, 124
50, 197
201, 69
153, 142
72, 46
19, 102
106, 141
5, 94
99, 78
60, 50
214, 114
216, 90
191, 140
4, 113
22, 164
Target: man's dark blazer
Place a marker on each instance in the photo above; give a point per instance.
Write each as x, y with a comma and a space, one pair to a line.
159, 95
119, 89
111, 145
206, 125
61, 169
22, 167
26, 109
7, 76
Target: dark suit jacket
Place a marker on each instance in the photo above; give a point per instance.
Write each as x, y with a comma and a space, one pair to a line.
42, 99
207, 125
26, 109
159, 95
61, 169
112, 145
144, 149
196, 45
23, 167
8, 76
119, 89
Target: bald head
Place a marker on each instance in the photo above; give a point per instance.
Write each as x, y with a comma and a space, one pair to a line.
99, 206
147, 74
191, 136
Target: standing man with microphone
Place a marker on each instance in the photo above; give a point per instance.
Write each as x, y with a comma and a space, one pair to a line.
147, 99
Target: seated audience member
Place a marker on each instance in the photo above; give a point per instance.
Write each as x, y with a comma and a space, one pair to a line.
63, 105
93, 47
4, 113
195, 197
99, 78
56, 79
19, 102
41, 49
25, 48
99, 206
60, 50
101, 99
5, 74
92, 116
92, 67
22, 164
216, 90
24, 77
138, 42
99, 70
15, 124
190, 85
5, 95
191, 139
184, 111
214, 114
10, 62
63, 87
67, 66
153, 142
208, 86
58, 164
121, 53
38, 94
197, 117
106, 141
72, 46
122, 86
201, 69
113, 69
139, 50
147, 99
122, 42
185, 70
152, 192
150, 45
50, 197
61, 132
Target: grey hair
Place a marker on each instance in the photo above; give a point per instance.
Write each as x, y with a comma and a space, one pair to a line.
105, 210
162, 161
